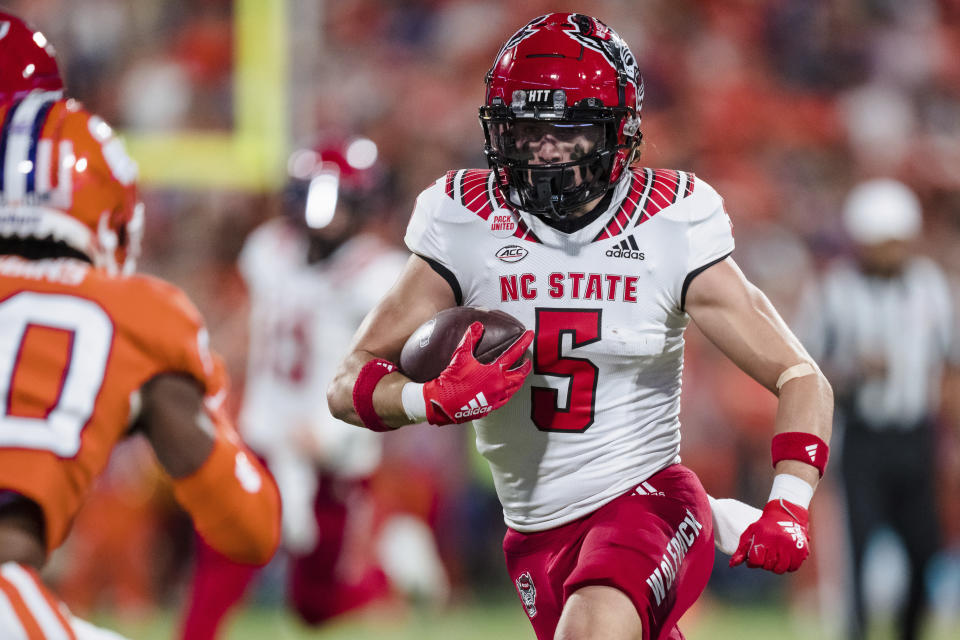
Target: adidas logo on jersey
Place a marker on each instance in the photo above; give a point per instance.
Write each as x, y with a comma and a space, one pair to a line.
628, 249
476, 407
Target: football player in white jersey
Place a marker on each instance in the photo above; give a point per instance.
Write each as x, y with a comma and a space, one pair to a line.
605, 262
311, 274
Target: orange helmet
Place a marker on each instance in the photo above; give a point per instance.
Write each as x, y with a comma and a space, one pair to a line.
65, 177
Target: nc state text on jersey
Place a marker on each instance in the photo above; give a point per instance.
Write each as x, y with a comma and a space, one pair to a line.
573, 285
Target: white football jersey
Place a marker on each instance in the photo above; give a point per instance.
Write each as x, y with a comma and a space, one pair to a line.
599, 413
302, 320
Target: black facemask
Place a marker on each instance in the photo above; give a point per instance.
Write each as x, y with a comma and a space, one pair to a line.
553, 166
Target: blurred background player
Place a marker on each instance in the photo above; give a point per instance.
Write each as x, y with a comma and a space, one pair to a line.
312, 274
91, 353
882, 324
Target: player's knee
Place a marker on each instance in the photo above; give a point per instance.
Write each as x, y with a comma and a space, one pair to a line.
602, 631
599, 612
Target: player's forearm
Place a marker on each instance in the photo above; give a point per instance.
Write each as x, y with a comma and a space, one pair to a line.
233, 501
387, 395
778, 540
806, 406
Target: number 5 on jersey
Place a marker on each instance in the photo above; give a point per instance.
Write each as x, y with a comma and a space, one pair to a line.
583, 327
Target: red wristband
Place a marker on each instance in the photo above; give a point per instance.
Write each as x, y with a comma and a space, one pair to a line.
363, 388
797, 445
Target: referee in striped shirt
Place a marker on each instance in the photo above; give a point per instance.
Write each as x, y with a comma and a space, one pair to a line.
882, 327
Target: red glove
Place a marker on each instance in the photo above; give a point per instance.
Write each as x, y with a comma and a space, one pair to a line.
777, 541
467, 389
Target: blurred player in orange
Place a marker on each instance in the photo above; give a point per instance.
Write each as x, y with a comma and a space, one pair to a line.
91, 353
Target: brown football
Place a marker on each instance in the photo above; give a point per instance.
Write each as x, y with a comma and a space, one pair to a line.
428, 350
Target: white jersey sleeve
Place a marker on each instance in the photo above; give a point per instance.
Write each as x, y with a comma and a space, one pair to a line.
710, 236
420, 238
260, 250
249, 256
709, 233
434, 232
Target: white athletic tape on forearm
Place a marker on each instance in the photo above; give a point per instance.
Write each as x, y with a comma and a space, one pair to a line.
796, 371
792, 489
414, 405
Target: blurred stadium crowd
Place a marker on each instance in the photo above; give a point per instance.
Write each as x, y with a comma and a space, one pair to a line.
782, 105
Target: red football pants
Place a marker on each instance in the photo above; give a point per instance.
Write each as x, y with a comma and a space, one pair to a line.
654, 543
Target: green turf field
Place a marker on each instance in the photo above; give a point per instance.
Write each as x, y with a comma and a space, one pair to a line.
501, 621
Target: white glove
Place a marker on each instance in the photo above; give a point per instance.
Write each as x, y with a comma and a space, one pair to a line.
730, 519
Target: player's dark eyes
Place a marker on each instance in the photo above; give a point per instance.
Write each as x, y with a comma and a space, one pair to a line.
534, 132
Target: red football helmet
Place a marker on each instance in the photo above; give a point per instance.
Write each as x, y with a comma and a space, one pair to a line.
333, 187
29, 60
569, 79
65, 177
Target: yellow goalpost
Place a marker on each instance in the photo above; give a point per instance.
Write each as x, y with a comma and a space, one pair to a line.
251, 156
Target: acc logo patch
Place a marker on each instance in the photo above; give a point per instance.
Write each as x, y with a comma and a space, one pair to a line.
512, 253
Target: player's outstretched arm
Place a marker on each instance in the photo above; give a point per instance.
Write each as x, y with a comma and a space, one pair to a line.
739, 319
232, 499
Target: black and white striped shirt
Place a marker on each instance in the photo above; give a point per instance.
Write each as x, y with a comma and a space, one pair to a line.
905, 324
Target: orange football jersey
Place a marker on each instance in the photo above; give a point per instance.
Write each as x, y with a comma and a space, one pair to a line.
76, 345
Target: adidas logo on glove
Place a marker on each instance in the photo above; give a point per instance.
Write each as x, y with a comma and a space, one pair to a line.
476, 407
795, 531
